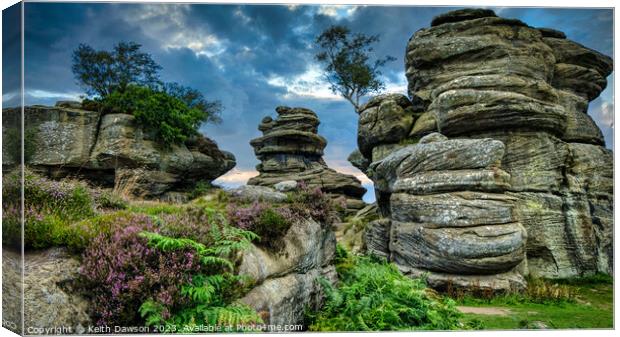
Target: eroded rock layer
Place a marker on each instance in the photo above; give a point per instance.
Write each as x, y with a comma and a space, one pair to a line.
291, 150
492, 169
111, 150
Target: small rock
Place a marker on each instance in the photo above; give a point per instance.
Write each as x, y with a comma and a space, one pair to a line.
258, 193
285, 186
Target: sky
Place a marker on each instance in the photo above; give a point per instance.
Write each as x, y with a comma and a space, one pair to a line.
254, 58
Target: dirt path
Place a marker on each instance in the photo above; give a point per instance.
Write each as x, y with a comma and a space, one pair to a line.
484, 310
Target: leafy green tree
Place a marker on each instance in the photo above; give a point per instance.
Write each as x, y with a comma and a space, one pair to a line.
103, 72
126, 80
195, 100
172, 119
347, 64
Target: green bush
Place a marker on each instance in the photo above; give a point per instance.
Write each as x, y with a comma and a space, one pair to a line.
201, 188
268, 222
108, 200
374, 296
77, 236
172, 120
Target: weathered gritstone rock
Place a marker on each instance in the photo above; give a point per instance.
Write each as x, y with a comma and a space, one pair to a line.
291, 150
448, 213
351, 234
287, 281
113, 150
521, 184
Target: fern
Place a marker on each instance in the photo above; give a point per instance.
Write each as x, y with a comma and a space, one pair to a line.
209, 297
374, 296
210, 256
151, 311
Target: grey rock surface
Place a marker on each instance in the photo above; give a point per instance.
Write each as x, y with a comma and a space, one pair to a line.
51, 300
285, 186
287, 281
258, 193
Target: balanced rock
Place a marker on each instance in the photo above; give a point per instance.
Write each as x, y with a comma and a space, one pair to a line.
111, 150
291, 150
502, 173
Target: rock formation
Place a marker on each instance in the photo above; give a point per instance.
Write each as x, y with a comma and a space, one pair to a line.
291, 150
493, 169
287, 282
112, 150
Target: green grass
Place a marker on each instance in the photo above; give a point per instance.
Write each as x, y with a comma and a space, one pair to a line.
592, 307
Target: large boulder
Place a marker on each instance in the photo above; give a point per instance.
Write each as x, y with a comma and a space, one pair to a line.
59, 136
448, 212
52, 302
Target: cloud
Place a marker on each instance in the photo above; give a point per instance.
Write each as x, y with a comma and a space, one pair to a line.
168, 24
44, 94
235, 177
337, 11
606, 114
311, 84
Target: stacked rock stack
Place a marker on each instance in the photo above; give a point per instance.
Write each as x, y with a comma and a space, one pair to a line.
291, 150
522, 153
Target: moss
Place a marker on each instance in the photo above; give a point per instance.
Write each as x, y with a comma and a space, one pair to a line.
409, 141
534, 206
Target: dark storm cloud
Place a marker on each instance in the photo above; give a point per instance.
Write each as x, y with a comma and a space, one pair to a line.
256, 57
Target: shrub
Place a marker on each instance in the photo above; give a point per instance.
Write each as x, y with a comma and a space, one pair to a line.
374, 296
166, 269
201, 188
109, 200
120, 270
539, 290
78, 235
50, 210
314, 203
268, 222
172, 120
